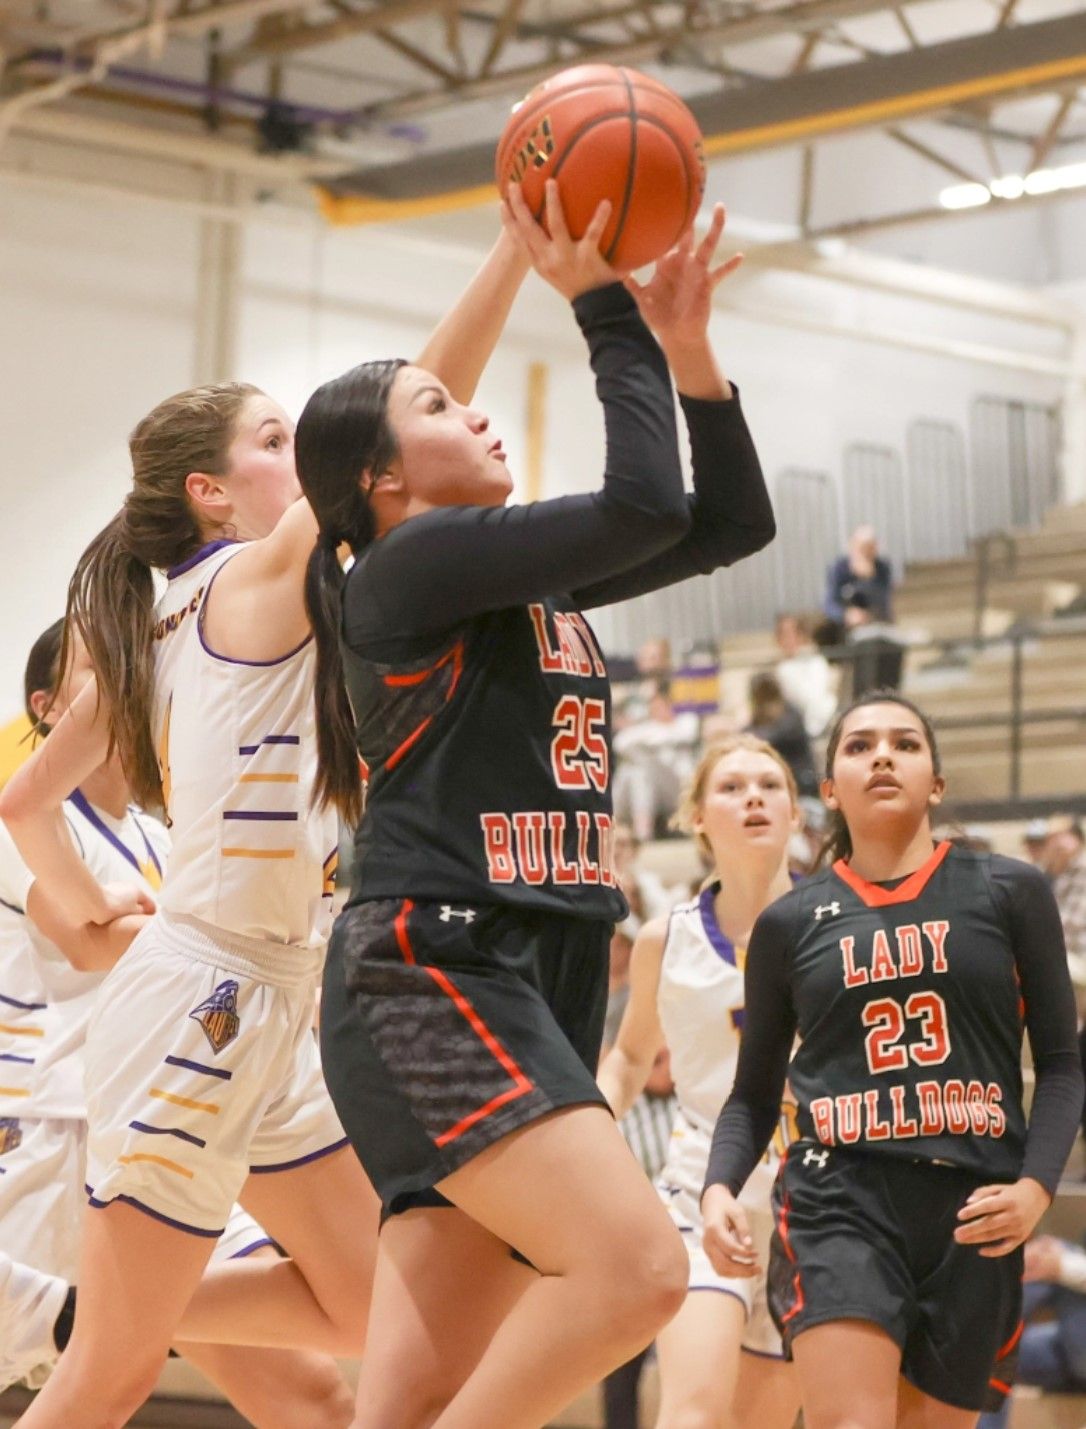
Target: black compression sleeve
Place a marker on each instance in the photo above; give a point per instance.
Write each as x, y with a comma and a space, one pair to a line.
438, 569
1041, 959
751, 1113
731, 513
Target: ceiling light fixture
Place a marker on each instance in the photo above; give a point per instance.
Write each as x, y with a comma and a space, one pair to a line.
1012, 186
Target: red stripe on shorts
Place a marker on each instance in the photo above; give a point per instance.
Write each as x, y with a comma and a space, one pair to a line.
521, 1082
782, 1228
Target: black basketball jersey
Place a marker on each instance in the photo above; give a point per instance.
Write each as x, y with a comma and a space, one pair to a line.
910, 1003
480, 695
488, 765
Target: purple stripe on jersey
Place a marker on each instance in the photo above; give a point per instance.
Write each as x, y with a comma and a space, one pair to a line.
149, 1211
301, 1160
12, 908
721, 943
256, 1245
26, 1006
198, 556
219, 1072
258, 814
269, 739
3, 1170
167, 1131
12, 1057
230, 659
79, 801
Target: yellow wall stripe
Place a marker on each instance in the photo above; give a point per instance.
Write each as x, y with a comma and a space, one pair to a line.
22, 1031
345, 209
258, 853
185, 1101
158, 1161
13, 1092
267, 778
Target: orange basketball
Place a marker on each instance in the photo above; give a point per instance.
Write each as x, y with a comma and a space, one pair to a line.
605, 132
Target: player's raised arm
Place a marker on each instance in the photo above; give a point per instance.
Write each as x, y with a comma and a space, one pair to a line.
626, 1067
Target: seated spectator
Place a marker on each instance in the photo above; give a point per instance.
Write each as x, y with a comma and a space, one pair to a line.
780, 724
806, 677
1064, 860
653, 758
858, 602
1034, 838
1052, 1352
645, 891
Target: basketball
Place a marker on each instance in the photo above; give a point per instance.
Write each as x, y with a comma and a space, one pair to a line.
608, 133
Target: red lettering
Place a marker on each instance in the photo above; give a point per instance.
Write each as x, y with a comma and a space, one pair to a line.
531, 850
822, 1116
977, 1108
876, 1130
590, 872
935, 1046
848, 1118
854, 976
605, 832
561, 871
887, 1024
550, 660
578, 620
932, 1120
580, 757
997, 1121
903, 1126
498, 844
936, 936
910, 950
882, 964
957, 1117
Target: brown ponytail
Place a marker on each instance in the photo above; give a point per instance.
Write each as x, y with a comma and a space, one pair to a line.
343, 435
111, 596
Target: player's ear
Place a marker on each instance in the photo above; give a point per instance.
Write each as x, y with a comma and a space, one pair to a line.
208, 496
938, 789
829, 798
40, 702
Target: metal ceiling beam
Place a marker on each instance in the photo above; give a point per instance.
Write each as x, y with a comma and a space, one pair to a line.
379, 16
798, 109
802, 16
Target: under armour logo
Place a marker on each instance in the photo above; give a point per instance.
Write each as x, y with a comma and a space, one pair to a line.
830, 910
447, 914
816, 1158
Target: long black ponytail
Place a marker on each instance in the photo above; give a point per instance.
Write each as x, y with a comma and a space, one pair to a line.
343, 435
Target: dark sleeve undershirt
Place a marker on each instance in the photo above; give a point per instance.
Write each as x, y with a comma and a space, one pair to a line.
1041, 959
730, 511
436, 570
750, 1115
439, 569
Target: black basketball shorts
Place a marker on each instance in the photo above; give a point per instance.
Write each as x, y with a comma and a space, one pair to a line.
446, 1026
864, 1236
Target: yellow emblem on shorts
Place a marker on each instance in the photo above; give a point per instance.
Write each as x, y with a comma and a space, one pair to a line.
218, 1016
11, 1134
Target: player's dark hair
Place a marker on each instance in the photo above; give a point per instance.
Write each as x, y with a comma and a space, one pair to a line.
343, 443
111, 596
838, 841
43, 672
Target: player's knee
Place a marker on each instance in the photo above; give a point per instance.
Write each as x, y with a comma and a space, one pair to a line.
653, 1282
327, 1401
120, 1389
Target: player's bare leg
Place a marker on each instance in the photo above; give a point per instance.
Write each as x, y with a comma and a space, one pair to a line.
917, 1410
848, 1373
568, 1194
444, 1285
767, 1393
698, 1355
325, 1216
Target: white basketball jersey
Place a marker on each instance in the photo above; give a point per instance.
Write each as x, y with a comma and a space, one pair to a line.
237, 748
45, 1002
700, 1002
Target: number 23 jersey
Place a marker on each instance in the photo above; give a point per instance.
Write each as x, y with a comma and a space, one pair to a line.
911, 1002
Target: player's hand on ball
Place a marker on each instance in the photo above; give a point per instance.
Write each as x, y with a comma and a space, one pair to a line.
997, 1219
121, 899
572, 265
677, 299
727, 1238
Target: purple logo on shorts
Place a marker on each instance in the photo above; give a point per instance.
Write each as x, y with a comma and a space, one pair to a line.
11, 1134
218, 1016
